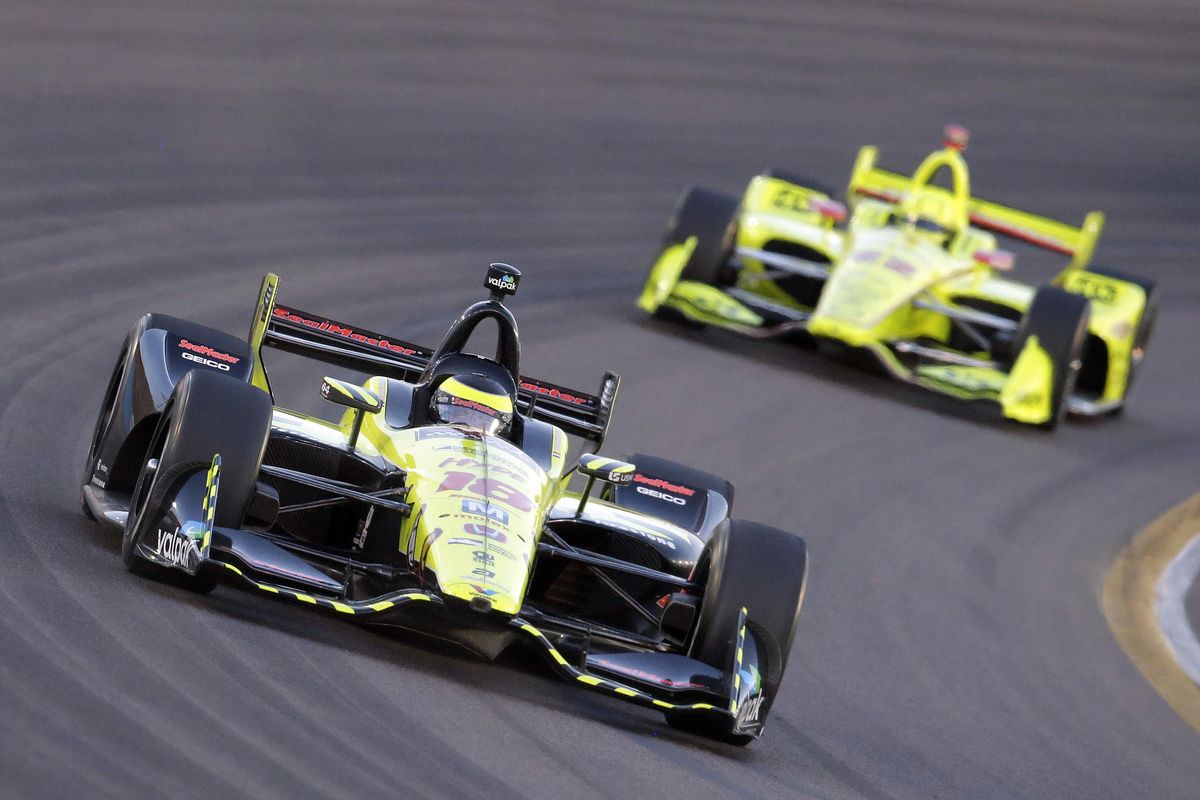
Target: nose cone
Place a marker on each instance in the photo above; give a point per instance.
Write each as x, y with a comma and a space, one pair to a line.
481, 509
483, 598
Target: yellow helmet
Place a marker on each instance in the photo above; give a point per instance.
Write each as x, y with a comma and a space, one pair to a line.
474, 401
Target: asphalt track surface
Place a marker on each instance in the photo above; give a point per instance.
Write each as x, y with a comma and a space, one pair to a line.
163, 155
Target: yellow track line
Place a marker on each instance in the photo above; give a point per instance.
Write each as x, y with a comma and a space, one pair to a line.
1128, 602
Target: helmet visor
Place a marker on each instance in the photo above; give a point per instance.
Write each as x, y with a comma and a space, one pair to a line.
453, 410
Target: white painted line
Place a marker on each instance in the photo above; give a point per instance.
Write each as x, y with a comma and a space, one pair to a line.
1170, 610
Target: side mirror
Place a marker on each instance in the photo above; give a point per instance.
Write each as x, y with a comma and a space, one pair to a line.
347, 394
608, 470
364, 401
1001, 260
829, 209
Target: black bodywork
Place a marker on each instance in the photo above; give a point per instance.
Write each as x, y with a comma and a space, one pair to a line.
611, 600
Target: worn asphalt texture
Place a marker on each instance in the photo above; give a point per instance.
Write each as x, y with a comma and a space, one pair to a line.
161, 156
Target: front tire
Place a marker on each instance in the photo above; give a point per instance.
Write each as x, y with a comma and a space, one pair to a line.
206, 414
764, 570
100, 429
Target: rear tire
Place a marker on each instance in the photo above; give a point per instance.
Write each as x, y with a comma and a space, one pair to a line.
1059, 319
764, 570
206, 414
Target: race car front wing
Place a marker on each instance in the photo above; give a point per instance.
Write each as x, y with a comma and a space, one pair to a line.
729, 699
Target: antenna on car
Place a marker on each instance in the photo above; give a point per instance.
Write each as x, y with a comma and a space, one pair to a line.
955, 137
502, 279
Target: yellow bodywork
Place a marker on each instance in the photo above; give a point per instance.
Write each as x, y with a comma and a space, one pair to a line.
1114, 304
664, 274
479, 503
1026, 396
912, 249
775, 209
868, 180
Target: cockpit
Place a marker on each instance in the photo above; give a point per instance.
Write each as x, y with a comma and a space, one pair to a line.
934, 212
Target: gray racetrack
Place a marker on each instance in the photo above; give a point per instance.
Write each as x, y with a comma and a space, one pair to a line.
163, 155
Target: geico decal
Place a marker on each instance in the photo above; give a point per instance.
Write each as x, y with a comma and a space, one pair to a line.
679, 501
205, 361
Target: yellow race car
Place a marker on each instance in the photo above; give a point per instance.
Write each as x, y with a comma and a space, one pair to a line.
911, 274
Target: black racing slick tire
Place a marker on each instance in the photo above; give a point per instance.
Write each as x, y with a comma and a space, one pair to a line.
1145, 325
712, 218
1059, 319
207, 414
764, 570
103, 421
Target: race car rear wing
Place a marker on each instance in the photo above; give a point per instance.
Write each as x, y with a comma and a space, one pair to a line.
351, 347
1079, 243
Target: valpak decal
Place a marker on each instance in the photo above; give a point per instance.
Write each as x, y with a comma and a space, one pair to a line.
505, 283
749, 712
347, 332
176, 547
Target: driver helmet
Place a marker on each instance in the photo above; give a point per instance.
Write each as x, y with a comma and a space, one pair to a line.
473, 401
928, 212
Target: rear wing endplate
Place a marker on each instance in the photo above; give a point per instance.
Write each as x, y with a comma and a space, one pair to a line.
320, 338
868, 180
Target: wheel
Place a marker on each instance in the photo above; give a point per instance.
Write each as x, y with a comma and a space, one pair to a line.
1059, 319
206, 414
712, 218
762, 569
103, 421
800, 180
1145, 326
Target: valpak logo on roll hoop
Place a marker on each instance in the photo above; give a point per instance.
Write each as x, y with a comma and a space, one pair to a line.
505, 283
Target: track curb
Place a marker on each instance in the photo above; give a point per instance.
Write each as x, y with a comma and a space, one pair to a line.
1128, 600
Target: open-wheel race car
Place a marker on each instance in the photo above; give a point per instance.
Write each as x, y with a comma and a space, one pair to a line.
441, 503
913, 279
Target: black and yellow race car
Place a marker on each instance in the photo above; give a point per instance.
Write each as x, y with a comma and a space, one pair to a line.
440, 503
